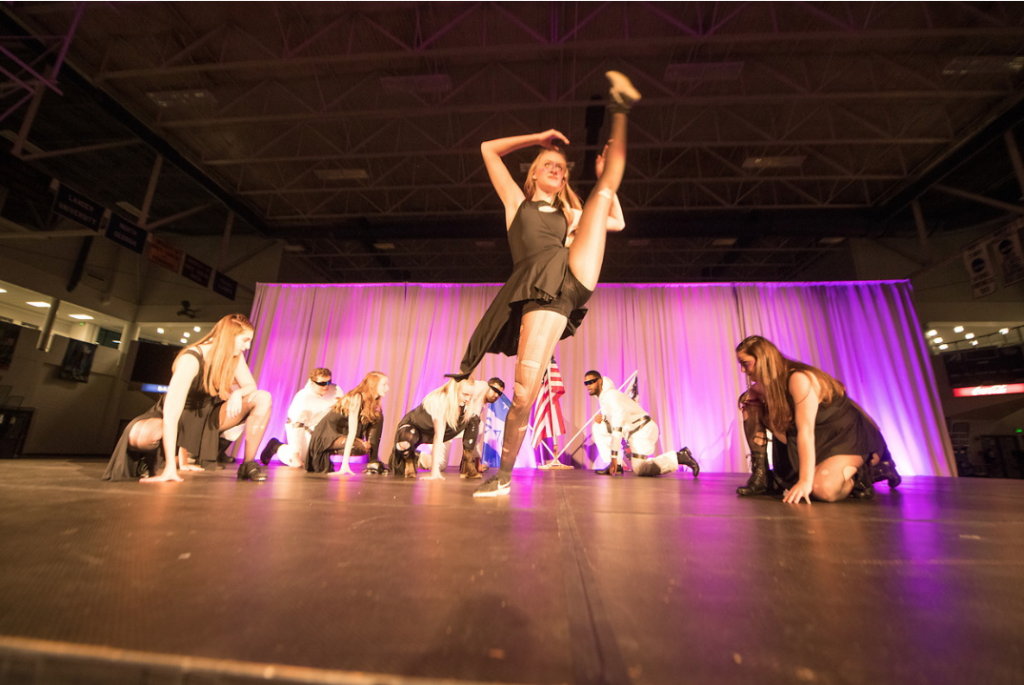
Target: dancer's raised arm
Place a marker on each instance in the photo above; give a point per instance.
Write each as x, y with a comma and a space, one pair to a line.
509, 192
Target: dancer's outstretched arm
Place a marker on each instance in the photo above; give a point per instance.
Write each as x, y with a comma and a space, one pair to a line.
353, 429
508, 190
437, 450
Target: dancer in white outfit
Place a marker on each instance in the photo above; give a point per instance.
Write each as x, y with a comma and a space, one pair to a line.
307, 408
622, 418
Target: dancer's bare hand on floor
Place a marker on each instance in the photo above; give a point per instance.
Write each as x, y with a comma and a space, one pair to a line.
799, 491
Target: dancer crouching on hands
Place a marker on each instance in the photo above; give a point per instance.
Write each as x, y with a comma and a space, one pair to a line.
829, 439
353, 426
199, 404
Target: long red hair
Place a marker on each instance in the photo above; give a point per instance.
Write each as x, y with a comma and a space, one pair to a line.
364, 397
220, 362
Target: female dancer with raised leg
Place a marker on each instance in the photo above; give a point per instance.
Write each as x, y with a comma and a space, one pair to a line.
199, 404
553, 276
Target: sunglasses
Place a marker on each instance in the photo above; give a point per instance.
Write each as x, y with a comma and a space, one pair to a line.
500, 391
322, 384
591, 381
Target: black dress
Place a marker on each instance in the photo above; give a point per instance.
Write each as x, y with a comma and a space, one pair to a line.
332, 427
842, 427
420, 419
198, 432
540, 275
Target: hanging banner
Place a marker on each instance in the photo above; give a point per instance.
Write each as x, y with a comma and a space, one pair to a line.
1009, 253
196, 271
163, 253
126, 234
979, 266
224, 285
77, 207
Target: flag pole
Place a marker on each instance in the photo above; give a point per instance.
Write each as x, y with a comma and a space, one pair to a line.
592, 416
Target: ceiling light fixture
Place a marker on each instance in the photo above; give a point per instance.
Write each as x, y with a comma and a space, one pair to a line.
969, 336
1004, 331
160, 331
776, 162
931, 334
41, 305
81, 317
942, 347
196, 329
958, 329
937, 340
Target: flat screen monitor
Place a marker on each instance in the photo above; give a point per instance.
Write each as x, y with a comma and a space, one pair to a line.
149, 362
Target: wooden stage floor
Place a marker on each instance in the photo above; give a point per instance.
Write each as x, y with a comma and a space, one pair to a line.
574, 578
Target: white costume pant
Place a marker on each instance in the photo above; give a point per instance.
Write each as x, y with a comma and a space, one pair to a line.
667, 462
294, 453
644, 442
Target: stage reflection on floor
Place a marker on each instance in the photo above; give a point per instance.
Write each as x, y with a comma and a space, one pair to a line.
574, 578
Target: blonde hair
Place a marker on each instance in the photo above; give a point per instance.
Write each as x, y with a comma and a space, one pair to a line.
771, 373
362, 398
220, 363
565, 199
443, 403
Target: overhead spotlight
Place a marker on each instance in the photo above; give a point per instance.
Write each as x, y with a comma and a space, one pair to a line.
196, 329
969, 336
160, 331
958, 329
185, 334
932, 333
184, 341
942, 347
937, 340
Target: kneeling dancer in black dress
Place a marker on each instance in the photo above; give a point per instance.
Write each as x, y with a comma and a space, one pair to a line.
825, 443
199, 404
353, 426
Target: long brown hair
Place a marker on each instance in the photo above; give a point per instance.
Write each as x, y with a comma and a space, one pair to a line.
220, 362
566, 198
771, 373
364, 396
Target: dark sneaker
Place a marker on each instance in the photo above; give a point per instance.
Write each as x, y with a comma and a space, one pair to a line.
495, 486
270, 450
250, 470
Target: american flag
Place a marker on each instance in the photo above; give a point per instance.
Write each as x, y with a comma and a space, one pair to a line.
548, 421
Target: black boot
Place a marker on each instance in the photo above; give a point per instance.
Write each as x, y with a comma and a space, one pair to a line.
758, 482
863, 484
685, 458
249, 470
885, 470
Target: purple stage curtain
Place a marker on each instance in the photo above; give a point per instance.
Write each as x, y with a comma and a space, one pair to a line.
680, 338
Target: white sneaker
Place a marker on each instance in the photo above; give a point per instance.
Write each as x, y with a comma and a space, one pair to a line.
494, 487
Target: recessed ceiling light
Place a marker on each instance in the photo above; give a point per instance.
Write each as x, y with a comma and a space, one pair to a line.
2, 290
184, 340
932, 333
160, 330
969, 336
185, 334
974, 342
958, 329
41, 305
81, 317
942, 347
1004, 331
777, 162
196, 329
937, 340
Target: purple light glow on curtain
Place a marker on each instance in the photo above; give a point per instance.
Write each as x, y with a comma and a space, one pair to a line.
679, 337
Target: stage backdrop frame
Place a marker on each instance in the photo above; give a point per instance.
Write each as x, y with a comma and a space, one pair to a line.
681, 338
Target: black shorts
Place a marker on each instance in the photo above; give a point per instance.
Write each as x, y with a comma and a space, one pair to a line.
573, 296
